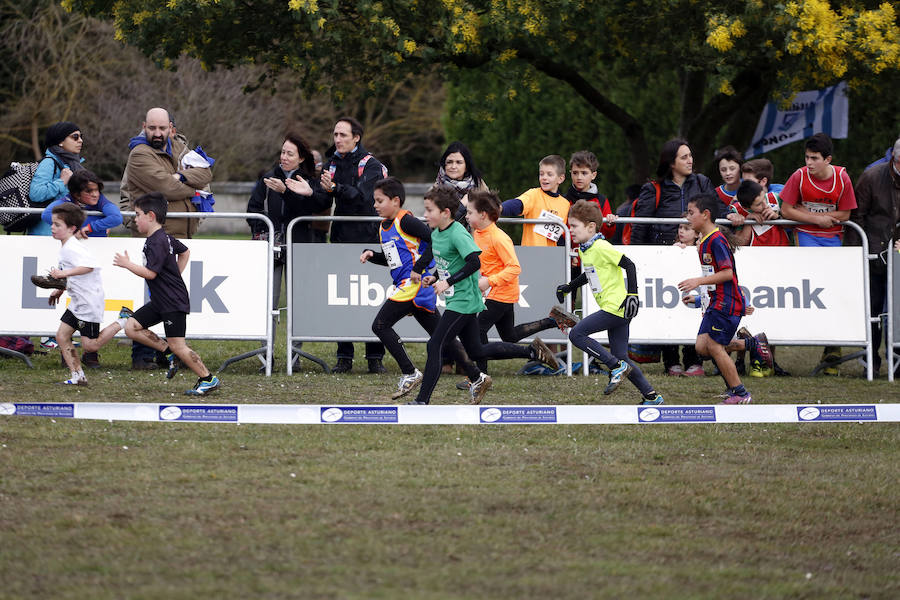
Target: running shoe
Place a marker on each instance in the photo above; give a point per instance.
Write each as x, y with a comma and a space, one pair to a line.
479, 388
203, 388
564, 319
49, 283
125, 313
762, 352
695, 371
81, 381
542, 352
407, 384
616, 376
735, 399
463, 384
652, 399
174, 363
675, 371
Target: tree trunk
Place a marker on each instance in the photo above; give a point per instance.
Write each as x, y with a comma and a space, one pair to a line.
35, 143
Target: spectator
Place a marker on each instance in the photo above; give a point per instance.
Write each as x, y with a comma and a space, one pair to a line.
62, 157
349, 178
86, 190
153, 166
678, 184
457, 170
819, 196
728, 162
878, 213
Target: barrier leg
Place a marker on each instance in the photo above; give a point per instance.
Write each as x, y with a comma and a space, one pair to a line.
19, 355
297, 352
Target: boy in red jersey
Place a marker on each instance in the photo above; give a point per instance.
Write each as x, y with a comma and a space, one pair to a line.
820, 196
721, 299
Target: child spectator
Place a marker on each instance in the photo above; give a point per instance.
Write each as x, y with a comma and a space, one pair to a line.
85, 287
499, 279
542, 202
165, 258
86, 191
728, 162
819, 196
603, 266
583, 171
456, 257
404, 239
721, 299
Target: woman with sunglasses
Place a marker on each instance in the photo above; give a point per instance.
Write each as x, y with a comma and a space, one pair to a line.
63, 142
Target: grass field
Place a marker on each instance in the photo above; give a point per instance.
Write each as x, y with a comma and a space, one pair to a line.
96, 509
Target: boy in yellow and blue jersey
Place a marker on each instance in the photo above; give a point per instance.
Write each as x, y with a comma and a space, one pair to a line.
602, 266
404, 238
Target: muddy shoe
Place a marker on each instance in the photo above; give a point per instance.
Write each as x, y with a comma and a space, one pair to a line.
563, 318
48, 283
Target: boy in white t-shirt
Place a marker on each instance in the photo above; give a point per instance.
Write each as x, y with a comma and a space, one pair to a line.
85, 288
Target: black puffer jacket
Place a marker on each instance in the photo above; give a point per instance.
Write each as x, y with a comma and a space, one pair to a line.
353, 195
672, 204
284, 207
877, 212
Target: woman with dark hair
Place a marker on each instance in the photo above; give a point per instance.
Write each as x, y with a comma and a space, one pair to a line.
62, 157
289, 190
457, 170
667, 197
677, 184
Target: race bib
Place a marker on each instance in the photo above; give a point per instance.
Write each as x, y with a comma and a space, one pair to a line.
593, 280
551, 231
705, 290
391, 254
445, 275
819, 207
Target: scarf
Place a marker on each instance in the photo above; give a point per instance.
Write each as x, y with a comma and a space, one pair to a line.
70, 159
461, 185
585, 245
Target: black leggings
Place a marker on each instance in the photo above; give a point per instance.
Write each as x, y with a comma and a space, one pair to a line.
502, 315
383, 326
465, 326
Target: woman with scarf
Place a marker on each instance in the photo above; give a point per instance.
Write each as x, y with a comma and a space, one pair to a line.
458, 170
62, 157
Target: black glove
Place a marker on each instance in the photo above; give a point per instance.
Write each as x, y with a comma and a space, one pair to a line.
631, 305
561, 291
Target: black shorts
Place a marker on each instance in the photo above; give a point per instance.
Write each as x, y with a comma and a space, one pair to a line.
88, 329
174, 323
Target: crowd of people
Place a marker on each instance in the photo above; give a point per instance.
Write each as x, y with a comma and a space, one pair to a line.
461, 254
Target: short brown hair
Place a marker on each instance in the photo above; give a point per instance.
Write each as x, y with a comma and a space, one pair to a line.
70, 214
584, 158
586, 212
444, 197
486, 201
556, 161
760, 167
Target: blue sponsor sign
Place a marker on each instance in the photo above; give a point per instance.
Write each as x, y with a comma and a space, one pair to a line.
198, 413
45, 409
852, 412
518, 414
676, 414
358, 414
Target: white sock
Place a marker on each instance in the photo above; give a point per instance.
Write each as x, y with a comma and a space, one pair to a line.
75, 375
121, 322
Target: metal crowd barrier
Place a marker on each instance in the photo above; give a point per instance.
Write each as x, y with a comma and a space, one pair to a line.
265, 352
294, 352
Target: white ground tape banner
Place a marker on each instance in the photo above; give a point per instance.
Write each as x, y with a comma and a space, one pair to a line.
226, 282
805, 294
308, 414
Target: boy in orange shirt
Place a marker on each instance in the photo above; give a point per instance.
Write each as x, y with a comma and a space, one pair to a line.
499, 279
541, 203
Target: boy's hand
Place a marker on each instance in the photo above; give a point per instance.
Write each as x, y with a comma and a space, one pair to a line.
689, 284
440, 287
824, 220
121, 260
611, 218
54, 297
689, 300
415, 277
56, 273
561, 291
483, 284
428, 280
770, 214
366, 255
736, 219
749, 309
631, 304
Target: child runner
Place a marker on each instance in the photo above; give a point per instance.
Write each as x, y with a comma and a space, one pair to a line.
602, 269
721, 299
500, 279
456, 256
404, 238
693, 365
165, 258
85, 287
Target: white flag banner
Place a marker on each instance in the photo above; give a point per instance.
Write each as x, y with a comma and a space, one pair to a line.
817, 111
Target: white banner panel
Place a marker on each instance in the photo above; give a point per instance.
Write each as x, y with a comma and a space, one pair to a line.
800, 294
226, 280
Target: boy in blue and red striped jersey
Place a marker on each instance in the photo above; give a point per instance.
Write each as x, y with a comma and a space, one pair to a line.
721, 299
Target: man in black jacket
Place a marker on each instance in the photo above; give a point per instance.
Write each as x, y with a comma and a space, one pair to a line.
349, 175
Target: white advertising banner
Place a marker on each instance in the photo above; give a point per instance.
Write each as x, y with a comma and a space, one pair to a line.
226, 281
801, 295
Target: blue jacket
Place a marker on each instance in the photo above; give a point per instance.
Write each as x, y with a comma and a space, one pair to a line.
46, 185
112, 216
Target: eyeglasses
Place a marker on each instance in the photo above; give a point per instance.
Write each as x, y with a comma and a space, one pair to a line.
76, 136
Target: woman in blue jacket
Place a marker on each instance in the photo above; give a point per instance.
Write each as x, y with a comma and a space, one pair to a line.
62, 157
85, 190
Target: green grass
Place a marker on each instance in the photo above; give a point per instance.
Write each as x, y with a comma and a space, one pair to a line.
96, 509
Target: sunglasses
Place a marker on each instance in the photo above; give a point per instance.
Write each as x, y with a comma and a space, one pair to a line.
76, 136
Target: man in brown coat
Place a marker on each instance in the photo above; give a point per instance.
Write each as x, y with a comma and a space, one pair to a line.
153, 166
878, 213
